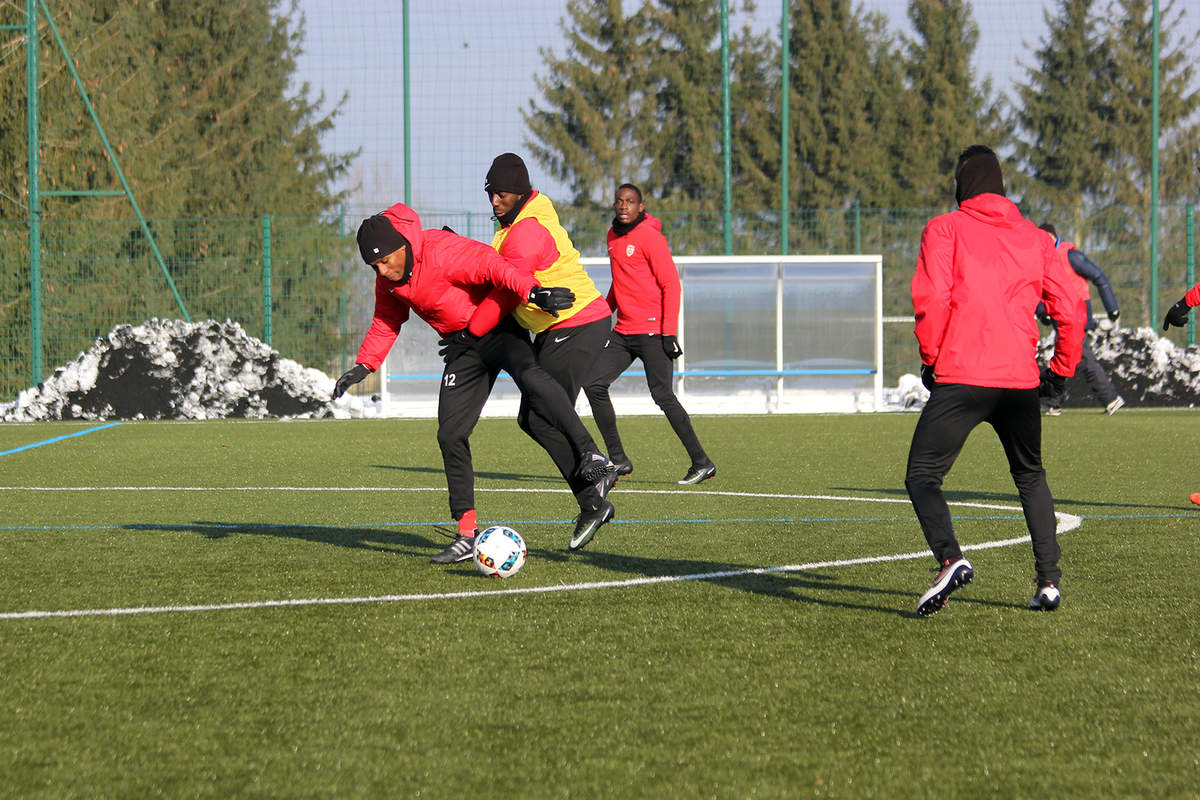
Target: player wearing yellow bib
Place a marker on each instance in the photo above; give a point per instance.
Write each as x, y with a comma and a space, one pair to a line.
531, 238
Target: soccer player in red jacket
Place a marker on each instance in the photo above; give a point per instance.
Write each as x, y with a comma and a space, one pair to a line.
443, 277
645, 293
981, 271
1178, 317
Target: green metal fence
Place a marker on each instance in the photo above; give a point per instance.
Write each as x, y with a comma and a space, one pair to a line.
297, 283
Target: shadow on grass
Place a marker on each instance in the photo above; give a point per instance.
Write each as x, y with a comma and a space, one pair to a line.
394, 542
504, 476
1003, 497
813, 587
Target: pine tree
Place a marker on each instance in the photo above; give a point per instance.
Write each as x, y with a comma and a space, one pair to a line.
832, 128
1129, 44
588, 133
945, 110
195, 100
683, 152
755, 94
1064, 109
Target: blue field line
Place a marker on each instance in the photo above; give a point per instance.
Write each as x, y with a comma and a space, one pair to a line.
59, 439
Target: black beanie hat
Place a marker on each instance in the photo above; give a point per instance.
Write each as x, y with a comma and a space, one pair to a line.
377, 237
977, 172
508, 174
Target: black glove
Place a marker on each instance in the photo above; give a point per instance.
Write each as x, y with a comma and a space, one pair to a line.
1177, 315
552, 299
927, 378
447, 229
1052, 385
671, 346
456, 344
350, 377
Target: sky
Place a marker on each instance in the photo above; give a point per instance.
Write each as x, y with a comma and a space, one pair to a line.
473, 68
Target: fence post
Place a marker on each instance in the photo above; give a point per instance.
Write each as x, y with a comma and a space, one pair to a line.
35, 207
1190, 236
857, 227
266, 264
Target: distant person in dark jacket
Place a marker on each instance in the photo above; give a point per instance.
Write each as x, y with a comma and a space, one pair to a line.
981, 270
1084, 271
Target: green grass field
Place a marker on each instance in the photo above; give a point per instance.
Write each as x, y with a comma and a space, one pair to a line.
658, 662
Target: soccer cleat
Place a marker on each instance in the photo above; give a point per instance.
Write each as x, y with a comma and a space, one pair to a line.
698, 474
954, 574
588, 522
1046, 598
1053, 411
1195, 498
606, 484
624, 466
1115, 406
459, 550
594, 466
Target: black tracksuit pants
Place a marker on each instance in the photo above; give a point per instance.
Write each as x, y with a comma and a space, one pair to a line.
466, 383
618, 354
568, 354
953, 411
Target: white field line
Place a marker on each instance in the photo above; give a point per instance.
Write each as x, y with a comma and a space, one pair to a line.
1066, 522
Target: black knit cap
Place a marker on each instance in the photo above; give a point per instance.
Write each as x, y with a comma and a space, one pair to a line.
508, 174
978, 172
377, 237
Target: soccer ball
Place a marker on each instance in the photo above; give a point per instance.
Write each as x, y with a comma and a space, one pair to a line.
499, 552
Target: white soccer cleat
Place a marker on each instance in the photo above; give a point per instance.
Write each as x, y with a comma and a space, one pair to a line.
954, 574
1046, 598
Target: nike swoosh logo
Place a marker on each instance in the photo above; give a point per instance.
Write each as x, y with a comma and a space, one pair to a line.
558, 339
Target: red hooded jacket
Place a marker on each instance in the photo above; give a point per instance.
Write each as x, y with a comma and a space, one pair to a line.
980, 274
1192, 298
451, 275
645, 287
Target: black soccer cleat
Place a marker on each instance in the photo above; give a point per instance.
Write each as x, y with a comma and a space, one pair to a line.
606, 484
698, 474
460, 549
588, 522
624, 466
594, 466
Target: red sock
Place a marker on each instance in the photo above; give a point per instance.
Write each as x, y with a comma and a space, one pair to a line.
466, 524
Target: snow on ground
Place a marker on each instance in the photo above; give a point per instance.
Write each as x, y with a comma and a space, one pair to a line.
170, 369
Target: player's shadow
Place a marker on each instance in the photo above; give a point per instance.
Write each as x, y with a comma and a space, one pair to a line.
397, 541
808, 586
962, 496
504, 476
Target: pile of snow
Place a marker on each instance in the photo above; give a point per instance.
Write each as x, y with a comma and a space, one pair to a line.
1145, 368
172, 369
